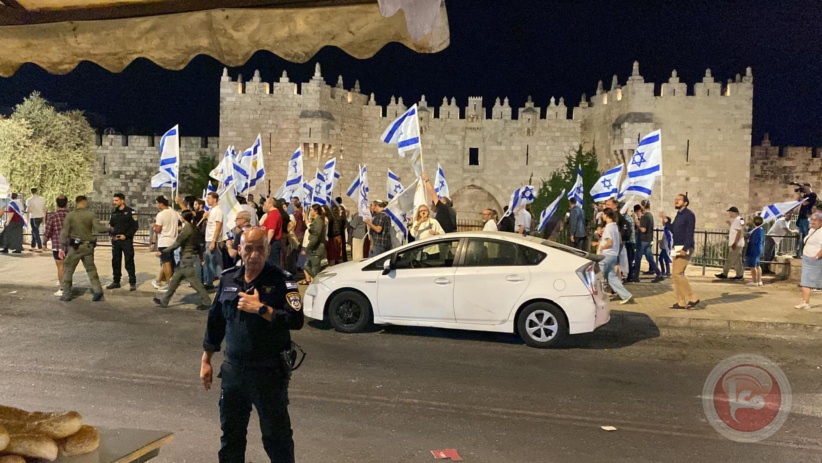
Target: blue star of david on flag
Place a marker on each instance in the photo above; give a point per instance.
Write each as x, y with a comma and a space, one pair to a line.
607, 183
638, 159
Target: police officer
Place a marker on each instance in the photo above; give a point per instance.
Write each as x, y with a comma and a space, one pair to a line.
78, 237
255, 307
122, 227
190, 253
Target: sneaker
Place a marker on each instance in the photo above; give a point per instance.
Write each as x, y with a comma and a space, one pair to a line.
803, 306
155, 284
65, 297
97, 297
113, 285
163, 288
721, 276
761, 284
630, 300
738, 277
4, 251
59, 293
751, 283
657, 279
158, 301
132, 287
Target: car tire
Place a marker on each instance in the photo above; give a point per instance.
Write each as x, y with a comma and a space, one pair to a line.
349, 312
542, 325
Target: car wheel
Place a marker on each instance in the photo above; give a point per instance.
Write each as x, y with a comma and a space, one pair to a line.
349, 312
542, 325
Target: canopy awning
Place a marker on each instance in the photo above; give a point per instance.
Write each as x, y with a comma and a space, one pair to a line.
58, 34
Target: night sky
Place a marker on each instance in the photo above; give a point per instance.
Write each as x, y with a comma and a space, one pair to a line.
501, 48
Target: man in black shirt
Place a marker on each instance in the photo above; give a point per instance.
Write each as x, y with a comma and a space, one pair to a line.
645, 241
255, 308
506, 223
443, 208
683, 228
122, 228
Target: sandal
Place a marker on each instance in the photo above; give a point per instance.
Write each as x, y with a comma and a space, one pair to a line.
677, 306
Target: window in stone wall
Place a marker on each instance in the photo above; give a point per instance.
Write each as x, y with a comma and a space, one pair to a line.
473, 156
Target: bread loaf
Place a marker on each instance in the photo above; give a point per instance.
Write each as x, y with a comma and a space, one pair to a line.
12, 459
32, 446
4, 439
86, 440
54, 425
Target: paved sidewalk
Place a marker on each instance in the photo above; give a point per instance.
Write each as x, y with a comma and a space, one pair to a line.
729, 306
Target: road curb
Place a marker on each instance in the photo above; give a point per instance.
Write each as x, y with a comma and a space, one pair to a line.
643, 322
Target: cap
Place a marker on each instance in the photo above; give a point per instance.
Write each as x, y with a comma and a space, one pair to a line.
733, 209
378, 202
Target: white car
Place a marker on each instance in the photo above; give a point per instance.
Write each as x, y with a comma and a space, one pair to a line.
483, 281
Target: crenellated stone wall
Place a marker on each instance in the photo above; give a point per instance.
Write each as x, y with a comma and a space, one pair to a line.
774, 167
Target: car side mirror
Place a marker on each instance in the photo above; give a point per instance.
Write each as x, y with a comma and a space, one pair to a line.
387, 267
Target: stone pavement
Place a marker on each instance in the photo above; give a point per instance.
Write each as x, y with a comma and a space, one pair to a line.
729, 306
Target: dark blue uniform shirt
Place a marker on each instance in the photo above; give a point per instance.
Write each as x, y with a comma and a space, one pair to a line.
251, 340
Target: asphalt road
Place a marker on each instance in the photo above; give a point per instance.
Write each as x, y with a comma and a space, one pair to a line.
395, 394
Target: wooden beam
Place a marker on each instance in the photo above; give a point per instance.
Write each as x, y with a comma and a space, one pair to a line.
12, 16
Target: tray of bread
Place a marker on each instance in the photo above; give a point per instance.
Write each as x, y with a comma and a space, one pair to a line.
62, 437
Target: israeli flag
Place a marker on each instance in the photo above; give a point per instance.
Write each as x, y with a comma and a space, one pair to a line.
320, 196
393, 187
647, 159
641, 187
416, 162
294, 179
241, 174
354, 189
256, 171
362, 195
404, 131
169, 160
774, 211
576, 191
228, 203
440, 185
329, 170
17, 207
549, 212
397, 210
607, 185
224, 172
520, 198
308, 193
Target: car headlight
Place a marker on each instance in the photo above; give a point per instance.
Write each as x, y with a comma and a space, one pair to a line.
322, 276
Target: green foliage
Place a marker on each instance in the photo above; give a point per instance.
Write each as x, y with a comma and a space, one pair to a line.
564, 178
195, 179
43, 148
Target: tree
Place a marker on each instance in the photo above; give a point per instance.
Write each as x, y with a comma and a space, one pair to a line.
564, 178
195, 179
43, 148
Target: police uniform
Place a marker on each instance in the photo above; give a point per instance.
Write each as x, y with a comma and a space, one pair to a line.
123, 223
254, 370
78, 239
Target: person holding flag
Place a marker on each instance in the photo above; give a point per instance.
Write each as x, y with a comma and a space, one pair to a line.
576, 191
440, 185
12, 236
548, 214
443, 207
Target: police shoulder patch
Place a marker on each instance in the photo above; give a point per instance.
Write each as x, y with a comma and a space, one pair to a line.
294, 301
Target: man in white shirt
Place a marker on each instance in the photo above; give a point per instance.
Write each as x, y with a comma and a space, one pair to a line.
165, 226
489, 216
213, 233
36, 210
522, 224
736, 242
773, 239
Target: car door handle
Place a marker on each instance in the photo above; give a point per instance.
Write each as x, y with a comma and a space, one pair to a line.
442, 281
514, 278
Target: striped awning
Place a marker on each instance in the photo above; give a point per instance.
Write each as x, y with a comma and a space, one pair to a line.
58, 34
